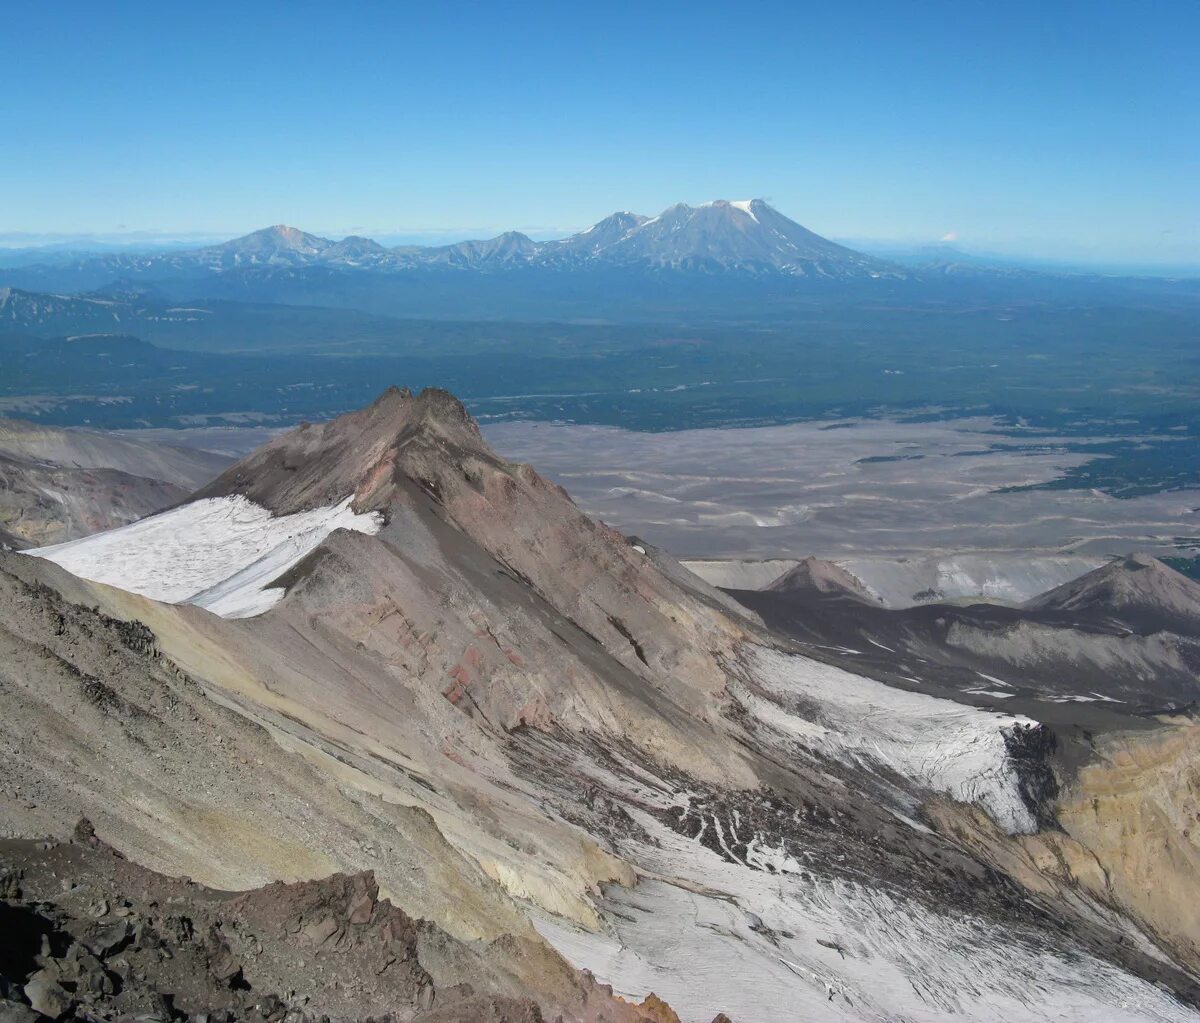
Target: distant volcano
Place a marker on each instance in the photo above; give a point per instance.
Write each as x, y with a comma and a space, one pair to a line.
729, 234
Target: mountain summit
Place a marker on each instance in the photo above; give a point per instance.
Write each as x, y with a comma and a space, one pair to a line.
278, 244
1140, 588
601, 235
743, 234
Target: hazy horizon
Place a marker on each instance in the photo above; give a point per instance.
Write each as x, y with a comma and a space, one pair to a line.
1057, 133
1029, 252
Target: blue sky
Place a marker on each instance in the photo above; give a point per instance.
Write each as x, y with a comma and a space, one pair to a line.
1053, 128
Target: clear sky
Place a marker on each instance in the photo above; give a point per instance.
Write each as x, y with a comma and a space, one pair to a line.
1054, 128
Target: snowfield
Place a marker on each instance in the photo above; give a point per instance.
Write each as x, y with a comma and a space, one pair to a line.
943, 746
220, 553
707, 934
764, 925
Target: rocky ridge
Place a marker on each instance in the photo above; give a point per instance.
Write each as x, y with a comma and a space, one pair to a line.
90, 935
577, 746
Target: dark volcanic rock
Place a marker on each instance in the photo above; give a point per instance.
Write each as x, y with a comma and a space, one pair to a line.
47, 996
1139, 590
304, 952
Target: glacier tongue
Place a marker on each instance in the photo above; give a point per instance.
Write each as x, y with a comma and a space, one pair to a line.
219, 552
942, 745
704, 933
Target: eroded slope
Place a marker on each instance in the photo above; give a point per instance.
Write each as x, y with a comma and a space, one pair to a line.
547, 710
58, 485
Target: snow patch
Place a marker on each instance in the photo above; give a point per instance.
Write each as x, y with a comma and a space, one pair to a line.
941, 745
220, 553
745, 206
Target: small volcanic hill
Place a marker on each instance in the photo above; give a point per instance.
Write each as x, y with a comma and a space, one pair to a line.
1139, 590
375, 644
815, 576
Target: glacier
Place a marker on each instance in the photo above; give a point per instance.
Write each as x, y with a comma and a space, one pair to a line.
219, 553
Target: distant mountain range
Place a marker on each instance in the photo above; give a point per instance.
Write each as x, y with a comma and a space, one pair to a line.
746, 236
739, 260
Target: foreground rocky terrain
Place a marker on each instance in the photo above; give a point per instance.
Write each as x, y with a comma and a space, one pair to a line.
374, 645
58, 484
94, 935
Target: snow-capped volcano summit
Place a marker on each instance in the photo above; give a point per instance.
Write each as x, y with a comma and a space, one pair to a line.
743, 234
745, 205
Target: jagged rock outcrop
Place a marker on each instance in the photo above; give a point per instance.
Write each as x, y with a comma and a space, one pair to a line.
87, 934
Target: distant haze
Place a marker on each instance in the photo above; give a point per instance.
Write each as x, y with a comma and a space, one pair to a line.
1051, 130
19, 248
